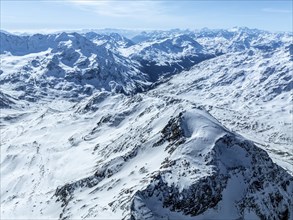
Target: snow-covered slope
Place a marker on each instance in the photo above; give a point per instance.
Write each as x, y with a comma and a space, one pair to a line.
249, 92
113, 41
165, 56
135, 158
90, 131
240, 39
67, 64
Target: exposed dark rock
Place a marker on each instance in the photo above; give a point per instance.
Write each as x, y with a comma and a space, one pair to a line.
173, 133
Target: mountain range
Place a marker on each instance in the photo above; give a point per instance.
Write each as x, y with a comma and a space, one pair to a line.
175, 124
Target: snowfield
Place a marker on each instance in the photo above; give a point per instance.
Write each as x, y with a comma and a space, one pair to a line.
166, 125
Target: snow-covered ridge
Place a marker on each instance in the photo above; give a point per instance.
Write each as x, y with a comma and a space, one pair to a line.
74, 63
69, 63
79, 64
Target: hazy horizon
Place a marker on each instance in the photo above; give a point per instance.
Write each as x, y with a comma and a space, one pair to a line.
118, 30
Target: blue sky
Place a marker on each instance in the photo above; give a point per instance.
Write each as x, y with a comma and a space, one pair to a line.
51, 15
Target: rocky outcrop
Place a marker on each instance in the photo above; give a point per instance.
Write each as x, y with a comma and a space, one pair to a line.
266, 188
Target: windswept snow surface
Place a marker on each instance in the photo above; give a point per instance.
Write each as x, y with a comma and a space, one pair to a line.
98, 126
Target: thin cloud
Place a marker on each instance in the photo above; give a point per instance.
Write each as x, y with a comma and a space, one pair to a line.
273, 10
110, 8
8, 17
